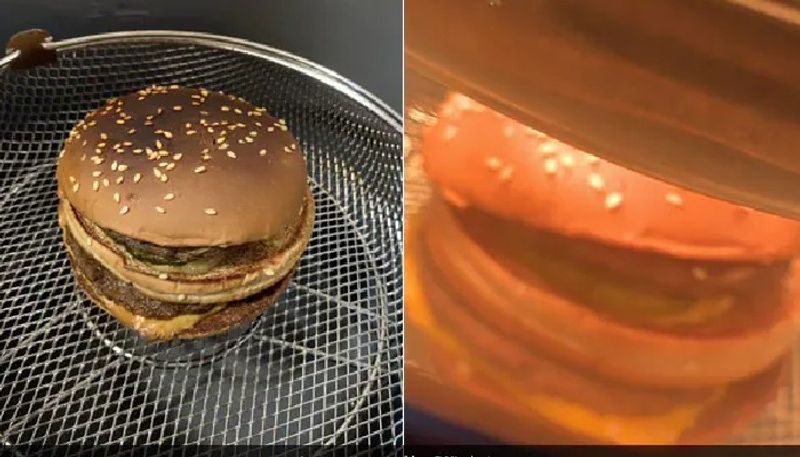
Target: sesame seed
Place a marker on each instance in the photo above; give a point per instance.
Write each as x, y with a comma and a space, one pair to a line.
96, 173
163, 164
163, 178
263, 152
101, 145
120, 179
191, 132
120, 121
177, 108
219, 140
169, 196
493, 163
674, 199
292, 146
548, 147
106, 182
156, 172
83, 156
170, 166
450, 132
131, 131
613, 200
269, 271
596, 181
240, 141
281, 121
160, 210
284, 128
237, 111
253, 133
225, 108
248, 139
286, 148
127, 143
203, 113
72, 180
116, 197
231, 154
506, 172
137, 151
103, 136
123, 210
114, 165
122, 167
181, 297
567, 160
97, 160
159, 145
210, 130
270, 129
550, 166
177, 156
162, 276
258, 124
200, 169
137, 177
76, 186
95, 185
210, 211
167, 135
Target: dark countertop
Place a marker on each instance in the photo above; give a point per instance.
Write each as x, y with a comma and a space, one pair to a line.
360, 39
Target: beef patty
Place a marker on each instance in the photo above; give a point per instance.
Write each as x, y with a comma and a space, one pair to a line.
126, 295
646, 289
210, 256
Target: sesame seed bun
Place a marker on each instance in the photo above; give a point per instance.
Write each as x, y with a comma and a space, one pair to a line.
518, 173
184, 167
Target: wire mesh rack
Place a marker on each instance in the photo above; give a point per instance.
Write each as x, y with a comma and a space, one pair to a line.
779, 423
322, 366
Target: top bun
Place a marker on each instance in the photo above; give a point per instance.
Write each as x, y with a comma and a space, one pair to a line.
176, 166
480, 158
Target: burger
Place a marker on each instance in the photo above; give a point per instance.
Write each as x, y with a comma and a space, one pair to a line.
578, 301
184, 211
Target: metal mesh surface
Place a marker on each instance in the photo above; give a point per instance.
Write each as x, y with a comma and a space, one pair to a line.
779, 423
321, 366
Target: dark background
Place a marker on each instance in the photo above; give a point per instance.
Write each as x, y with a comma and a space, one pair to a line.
359, 39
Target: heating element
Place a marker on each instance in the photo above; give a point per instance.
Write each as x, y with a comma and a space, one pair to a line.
322, 366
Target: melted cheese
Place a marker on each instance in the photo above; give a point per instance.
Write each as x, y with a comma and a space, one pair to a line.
665, 428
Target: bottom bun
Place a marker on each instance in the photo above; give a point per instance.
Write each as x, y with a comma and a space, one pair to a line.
450, 374
219, 319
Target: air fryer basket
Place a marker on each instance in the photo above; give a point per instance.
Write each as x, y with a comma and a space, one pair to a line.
779, 423
323, 366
